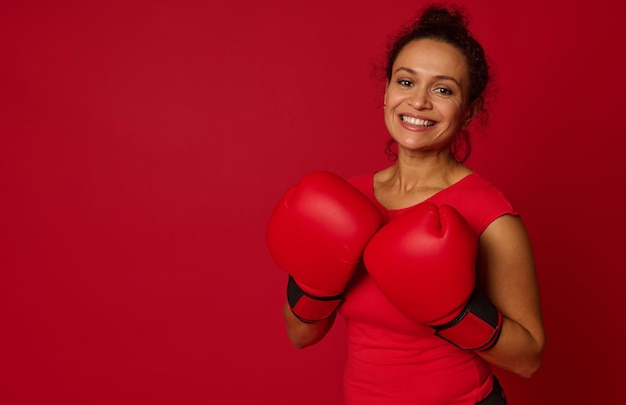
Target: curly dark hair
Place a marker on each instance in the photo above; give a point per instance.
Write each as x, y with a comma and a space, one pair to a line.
447, 24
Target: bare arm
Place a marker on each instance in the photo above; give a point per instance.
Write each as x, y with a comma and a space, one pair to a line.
506, 272
303, 334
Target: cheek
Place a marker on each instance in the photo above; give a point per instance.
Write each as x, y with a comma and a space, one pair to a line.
394, 98
454, 111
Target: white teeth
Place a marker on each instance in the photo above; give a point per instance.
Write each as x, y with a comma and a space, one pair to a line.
417, 121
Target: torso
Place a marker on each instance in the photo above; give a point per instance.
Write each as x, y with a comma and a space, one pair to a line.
392, 358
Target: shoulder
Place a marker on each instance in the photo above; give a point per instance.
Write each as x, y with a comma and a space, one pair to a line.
485, 192
363, 182
478, 200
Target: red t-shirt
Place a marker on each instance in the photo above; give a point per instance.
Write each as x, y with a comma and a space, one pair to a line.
391, 358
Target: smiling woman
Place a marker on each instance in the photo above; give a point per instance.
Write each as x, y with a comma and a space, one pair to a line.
427, 261
145, 143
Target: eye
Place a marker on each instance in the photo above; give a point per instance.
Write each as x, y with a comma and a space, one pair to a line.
405, 83
444, 91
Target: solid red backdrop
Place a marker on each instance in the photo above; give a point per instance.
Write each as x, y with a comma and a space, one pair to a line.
144, 145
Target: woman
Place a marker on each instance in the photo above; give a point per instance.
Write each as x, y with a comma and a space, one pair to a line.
436, 77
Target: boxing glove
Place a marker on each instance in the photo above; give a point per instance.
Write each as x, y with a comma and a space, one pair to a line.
317, 234
424, 262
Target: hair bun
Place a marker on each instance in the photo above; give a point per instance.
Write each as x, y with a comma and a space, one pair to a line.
441, 16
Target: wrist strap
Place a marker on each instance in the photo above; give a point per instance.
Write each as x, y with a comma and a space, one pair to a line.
477, 327
310, 308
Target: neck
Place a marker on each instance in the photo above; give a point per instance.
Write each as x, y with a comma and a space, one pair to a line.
411, 171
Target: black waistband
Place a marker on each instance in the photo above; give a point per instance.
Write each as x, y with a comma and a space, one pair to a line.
496, 396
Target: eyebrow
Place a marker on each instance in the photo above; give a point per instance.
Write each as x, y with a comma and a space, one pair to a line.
440, 77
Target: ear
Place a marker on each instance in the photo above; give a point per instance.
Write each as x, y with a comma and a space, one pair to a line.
472, 111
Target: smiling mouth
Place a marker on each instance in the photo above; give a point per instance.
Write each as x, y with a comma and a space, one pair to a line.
416, 121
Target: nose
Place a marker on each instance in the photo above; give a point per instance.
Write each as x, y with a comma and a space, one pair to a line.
420, 99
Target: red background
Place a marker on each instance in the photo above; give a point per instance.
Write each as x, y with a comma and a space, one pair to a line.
144, 144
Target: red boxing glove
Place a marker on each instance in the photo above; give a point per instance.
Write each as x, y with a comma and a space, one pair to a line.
317, 234
424, 262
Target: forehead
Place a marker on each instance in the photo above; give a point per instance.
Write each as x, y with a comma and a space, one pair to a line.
432, 57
